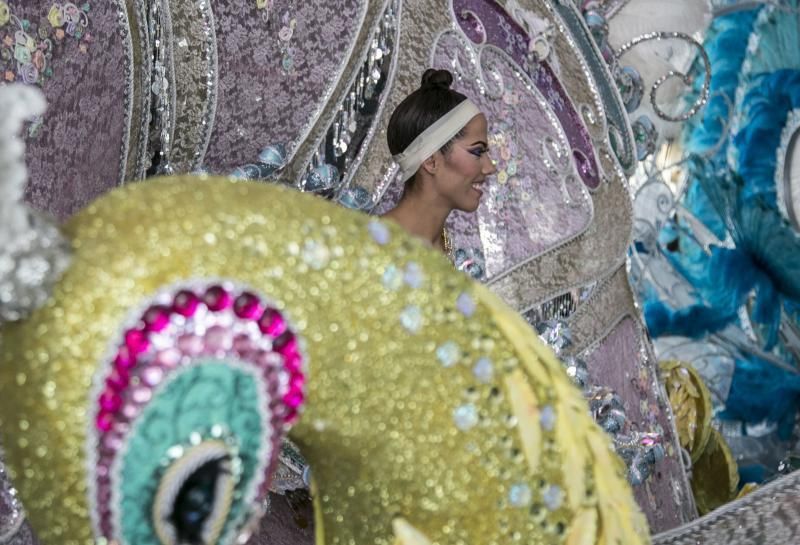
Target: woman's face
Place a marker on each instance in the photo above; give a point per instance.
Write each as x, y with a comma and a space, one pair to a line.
465, 167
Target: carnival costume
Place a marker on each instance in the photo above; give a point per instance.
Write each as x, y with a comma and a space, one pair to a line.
300, 93
149, 408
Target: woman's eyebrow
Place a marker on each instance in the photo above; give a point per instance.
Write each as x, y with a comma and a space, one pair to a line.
480, 142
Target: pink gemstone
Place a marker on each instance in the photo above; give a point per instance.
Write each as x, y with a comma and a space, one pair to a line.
156, 318
286, 344
291, 416
218, 338
293, 362
123, 360
129, 411
112, 442
104, 421
110, 401
217, 298
102, 469
119, 379
152, 375
123, 428
248, 306
272, 323
270, 375
170, 357
186, 303
276, 382
297, 382
293, 399
190, 344
268, 359
136, 341
242, 344
141, 395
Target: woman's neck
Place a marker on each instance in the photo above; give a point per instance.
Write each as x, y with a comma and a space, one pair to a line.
422, 218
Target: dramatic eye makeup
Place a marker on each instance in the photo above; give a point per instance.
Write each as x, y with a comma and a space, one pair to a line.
478, 148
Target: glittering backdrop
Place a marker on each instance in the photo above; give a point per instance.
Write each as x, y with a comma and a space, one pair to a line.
411, 381
622, 361
272, 90
83, 59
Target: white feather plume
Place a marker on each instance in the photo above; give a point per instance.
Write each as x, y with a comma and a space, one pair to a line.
33, 254
18, 103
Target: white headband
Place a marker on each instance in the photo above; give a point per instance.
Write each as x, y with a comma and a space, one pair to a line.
434, 137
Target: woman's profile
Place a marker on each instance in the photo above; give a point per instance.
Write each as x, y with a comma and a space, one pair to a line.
439, 139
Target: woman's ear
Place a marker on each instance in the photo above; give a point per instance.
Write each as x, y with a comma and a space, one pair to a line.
431, 164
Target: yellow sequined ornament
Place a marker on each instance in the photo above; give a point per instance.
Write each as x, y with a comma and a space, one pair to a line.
426, 399
715, 476
691, 405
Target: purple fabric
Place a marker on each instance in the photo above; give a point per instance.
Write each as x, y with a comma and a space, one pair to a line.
75, 155
259, 102
502, 31
526, 208
620, 363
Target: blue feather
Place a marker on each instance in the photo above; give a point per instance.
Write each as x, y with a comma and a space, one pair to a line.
726, 46
760, 391
777, 32
769, 100
765, 262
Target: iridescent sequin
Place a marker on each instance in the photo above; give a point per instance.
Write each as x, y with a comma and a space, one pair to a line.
411, 318
448, 354
519, 495
26, 49
465, 417
483, 370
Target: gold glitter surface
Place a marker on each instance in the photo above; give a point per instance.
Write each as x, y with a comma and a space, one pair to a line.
398, 425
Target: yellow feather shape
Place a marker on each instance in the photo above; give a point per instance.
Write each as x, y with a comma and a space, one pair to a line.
405, 534
613, 517
583, 529
526, 409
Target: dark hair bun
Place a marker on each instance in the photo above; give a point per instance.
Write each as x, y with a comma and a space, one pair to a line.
433, 78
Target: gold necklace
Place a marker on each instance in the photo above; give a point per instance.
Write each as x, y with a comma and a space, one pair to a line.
448, 245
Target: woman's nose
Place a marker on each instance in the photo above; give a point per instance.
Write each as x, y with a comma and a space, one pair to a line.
489, 165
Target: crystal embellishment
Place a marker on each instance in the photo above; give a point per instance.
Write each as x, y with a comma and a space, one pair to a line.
483, 370
465, 305
547, 418
552, 497
448, 354
379, 232
465, 417
411, 319
392, 279
519, 495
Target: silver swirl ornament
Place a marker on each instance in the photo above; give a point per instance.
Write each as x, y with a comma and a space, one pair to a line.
33, 254
685, 78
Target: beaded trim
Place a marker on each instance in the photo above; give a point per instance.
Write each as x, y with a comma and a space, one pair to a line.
199, 319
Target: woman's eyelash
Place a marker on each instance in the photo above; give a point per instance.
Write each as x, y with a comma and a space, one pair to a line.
477, 152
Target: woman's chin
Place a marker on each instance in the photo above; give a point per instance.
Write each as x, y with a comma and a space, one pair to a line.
470, 207
472, 201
